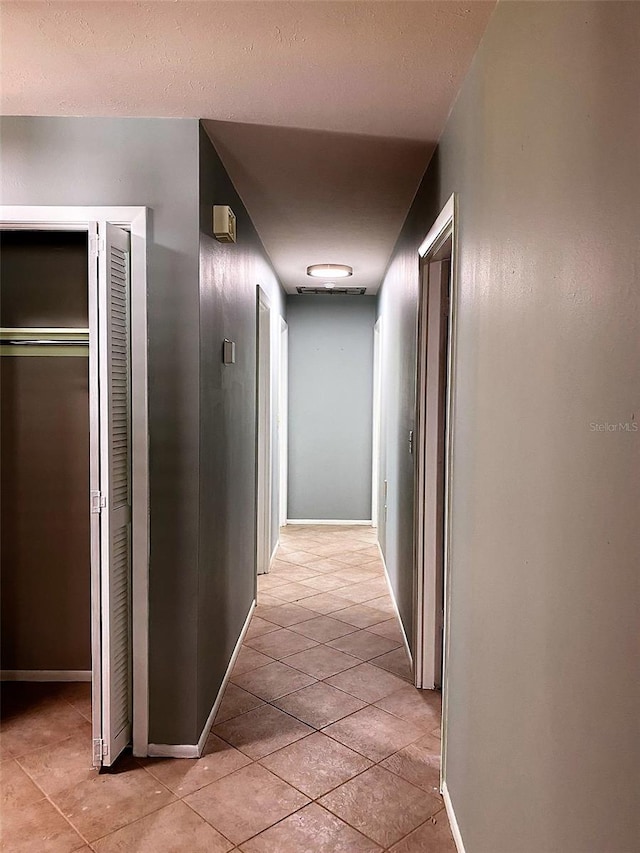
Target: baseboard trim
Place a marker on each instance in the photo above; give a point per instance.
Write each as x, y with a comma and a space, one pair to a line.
455, 829
395, 604
332, 521
189, 750
45, 675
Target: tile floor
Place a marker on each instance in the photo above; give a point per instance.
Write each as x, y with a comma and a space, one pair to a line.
321, 742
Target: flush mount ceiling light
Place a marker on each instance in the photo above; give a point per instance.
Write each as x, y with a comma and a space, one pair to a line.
329, 270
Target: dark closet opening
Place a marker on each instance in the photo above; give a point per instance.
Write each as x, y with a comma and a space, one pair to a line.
44, 422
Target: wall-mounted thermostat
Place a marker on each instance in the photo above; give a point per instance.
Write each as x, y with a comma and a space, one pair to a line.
224, 223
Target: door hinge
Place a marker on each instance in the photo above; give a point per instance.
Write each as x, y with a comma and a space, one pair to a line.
100, 750
97, 245
410, 441
98, 501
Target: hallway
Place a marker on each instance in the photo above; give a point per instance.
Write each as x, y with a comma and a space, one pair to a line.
320, 744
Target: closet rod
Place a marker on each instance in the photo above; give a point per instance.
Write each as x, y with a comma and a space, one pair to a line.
46, 342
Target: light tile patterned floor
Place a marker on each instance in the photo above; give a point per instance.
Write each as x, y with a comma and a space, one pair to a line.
321, 744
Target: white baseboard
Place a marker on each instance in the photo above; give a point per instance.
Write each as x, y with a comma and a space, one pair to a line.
45, 675
455, 829
332, 521
194, 750
395, 605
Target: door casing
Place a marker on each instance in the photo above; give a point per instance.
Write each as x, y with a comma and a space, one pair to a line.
425, 620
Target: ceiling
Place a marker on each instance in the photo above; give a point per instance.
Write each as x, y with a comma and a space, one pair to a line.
325, 113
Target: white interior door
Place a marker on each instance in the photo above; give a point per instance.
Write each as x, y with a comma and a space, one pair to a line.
113, 500
263, 496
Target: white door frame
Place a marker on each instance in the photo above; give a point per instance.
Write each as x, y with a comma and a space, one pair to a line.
377, 421
283, 420
135, 220
426, 621
264, 464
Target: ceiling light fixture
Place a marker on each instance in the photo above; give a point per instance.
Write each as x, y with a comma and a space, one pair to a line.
329, 270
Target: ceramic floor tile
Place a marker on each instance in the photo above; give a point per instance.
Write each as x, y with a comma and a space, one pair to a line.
323, 628
78, 694
319, 705
367, 682
185, 775
321, 661
236, 701
23, 732
293, 592
312, 829
258, 627
268, 599
246, 803
248, 660
16, 788
262, 731
288, 572
316, 764
172, 829
63, 765
274, 680
383, 603
361, 615
363, 644
269, 581
299, 558
421, 707
374, 733
389, 628
326, 565
325, 602
324, 583
380, 805
38, 828
108, 801
396, 662
284, 615
434, 836
278, 644
361, 593
417, 765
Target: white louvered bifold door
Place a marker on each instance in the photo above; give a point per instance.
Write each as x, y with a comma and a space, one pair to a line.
115, 487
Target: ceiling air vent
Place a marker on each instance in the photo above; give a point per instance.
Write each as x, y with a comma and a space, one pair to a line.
334, 291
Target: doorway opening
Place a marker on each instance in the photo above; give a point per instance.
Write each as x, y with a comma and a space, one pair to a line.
69, 534
433, 464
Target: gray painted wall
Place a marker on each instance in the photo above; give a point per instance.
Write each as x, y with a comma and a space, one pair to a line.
229, 274
194, 411
543, 711
330, 406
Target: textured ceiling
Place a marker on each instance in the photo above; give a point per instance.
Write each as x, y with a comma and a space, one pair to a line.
325, 113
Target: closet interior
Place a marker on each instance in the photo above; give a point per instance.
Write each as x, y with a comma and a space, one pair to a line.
45, 545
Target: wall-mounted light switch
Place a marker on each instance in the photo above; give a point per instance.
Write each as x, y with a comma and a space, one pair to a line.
228, 352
